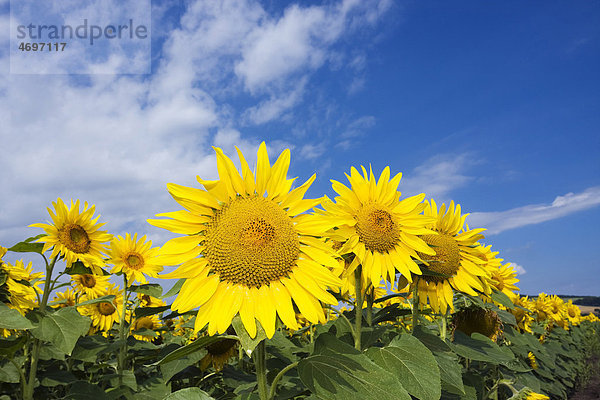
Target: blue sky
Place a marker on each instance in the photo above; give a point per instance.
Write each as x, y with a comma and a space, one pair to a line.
492, 105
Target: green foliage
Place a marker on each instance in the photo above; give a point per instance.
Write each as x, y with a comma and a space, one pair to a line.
62, 328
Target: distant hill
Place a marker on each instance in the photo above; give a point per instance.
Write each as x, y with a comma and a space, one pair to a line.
583, 300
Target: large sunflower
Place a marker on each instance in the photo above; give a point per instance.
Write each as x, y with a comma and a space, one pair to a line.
379, 230
75, 234
250, 248
457, 258
135, 258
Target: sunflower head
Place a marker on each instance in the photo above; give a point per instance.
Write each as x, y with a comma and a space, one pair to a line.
92, 286
135, 258
476, 319
104, 314
150, 322
67, 298
74, 234
249, 248
532, 360
218, 354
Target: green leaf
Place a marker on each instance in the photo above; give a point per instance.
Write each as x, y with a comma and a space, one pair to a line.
503, 299
12, 319
175, 289
53, 378
389, 313
192, 393
151, 289
9, 373
62, 328
339, 371
87, 348
506, 317
78, 268
9, 347
82, 390
248, 343
145, 311
430, 340
413, 364
28, 245
196, 345
479, 348
450, 373
104, 299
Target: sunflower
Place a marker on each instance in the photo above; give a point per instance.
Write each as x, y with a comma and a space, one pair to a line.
522, 312
536, 396
75, 235
501, 277
250, 249
149, 301
573, 313
218, 354
151, 322
476, 319
378, 230
541, 306
135, 258
558, 311
67, 298
457, 258
93, 286
22, 285
106, 313
532, 360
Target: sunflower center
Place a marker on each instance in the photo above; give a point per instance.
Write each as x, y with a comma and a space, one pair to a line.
572, 313
446, 259
144, 322
376, 228
105, 308
134, 261
74, 238
251, 241
88, 280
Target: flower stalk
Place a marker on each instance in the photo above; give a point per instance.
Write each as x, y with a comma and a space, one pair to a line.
358, 307
260, 363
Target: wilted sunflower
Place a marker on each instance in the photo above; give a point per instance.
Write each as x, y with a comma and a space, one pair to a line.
381, 231
151, 322
104, 314
457, 258
75, 235
249, 248
135, 258
218, 354
476, 319
93, 286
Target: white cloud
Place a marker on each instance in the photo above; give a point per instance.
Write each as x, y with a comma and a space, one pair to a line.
438, 176
312, 151
520, 270
501, 221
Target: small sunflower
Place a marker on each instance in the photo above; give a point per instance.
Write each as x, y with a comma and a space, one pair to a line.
532, 360
381, 232
93, 286
249, 248
476, 319
536, 396
135, 258
541, 306
22, 285
149, 301
573, 313
501, 277
457, 258
218, 354
522, 312
67, 298
151, 322
104, 314
74, 235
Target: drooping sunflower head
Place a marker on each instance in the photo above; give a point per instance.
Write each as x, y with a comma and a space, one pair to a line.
22, 285
457, 262
106, 313
74, 234
218, 354
135, 258
249, 249
378, 231
92, 286
476, 319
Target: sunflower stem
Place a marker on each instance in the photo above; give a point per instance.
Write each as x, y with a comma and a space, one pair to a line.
37, 343
415, 305
122, 337
273, 390
443, 330
370, 300
358, 307
260, 363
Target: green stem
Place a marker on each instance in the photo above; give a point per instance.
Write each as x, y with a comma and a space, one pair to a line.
311, 334
341, 315
28, 387
370, 300
260, 362
278, 378
122, 337
443, 330
358, 307
415, 304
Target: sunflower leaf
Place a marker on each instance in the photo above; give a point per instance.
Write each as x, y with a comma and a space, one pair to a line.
151, 289
145, 311
12, 319
104, 299
248, 343
62, 328
337, 370
196, 345
502, 299
189, 393
28, 245
479, 348
175, 289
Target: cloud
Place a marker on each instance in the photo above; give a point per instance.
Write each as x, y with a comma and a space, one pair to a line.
520, 270
501, 221
438, 176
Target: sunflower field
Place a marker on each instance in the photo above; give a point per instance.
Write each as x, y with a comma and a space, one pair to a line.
369, 295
